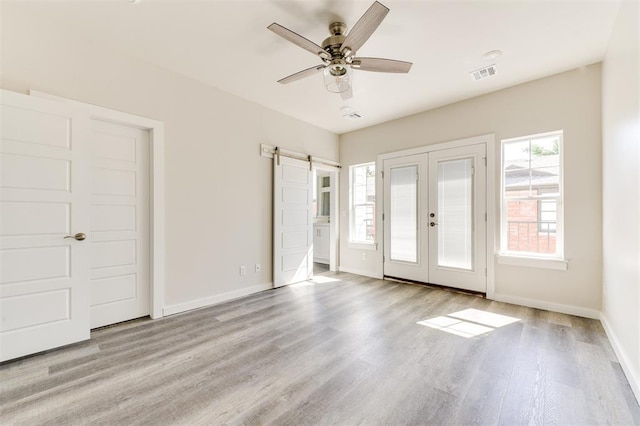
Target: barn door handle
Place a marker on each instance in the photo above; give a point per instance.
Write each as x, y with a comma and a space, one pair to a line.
80, 236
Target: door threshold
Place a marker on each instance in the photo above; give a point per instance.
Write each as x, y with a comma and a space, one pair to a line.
438, 286
102, 327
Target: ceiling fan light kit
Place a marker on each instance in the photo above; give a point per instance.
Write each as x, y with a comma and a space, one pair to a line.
338, 52
337, 77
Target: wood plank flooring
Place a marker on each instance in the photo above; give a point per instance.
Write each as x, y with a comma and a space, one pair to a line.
346, 350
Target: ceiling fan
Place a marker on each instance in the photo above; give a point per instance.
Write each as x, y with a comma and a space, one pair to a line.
338, 52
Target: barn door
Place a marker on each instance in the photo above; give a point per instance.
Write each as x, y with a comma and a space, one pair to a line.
292, 221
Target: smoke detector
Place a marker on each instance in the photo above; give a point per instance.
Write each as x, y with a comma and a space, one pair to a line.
492, 55
349, 113
483, 73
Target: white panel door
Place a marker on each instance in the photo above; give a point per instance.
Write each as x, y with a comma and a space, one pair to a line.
405, 203
44, 197
119, 223
457, 227
292, 221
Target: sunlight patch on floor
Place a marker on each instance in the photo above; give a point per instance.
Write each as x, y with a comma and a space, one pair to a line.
319, 279
469, 322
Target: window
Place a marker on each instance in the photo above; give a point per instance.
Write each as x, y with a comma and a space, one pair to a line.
532, 196
362, 212
321, 194
324, 189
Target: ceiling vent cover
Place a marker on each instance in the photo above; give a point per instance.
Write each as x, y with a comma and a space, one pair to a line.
483, 73
352, 116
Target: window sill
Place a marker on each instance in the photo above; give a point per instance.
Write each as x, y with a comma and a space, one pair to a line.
533, 262
362, 246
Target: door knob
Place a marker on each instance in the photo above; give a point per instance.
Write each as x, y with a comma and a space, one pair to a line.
433, 224
80, 236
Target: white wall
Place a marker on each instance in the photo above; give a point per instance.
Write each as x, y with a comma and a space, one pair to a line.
218, 187
569, 101
621, 191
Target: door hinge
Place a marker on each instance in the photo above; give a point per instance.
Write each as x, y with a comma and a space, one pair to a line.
485, 216
473, 171
382, 216
382, 174
485, 161
485, 272
383, 258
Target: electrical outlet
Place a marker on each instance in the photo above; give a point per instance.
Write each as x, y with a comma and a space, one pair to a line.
364, 256
258, 267
243, 270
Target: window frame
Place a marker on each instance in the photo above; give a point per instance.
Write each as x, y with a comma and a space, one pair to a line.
547, 260
372, 204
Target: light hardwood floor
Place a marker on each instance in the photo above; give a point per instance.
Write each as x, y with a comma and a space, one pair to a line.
346, 350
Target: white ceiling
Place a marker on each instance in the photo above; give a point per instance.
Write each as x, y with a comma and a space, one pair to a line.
226, 44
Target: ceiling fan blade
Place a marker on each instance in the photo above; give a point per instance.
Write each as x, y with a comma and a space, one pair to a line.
348, 94
302, 74
365, 26
381, 65
298, 40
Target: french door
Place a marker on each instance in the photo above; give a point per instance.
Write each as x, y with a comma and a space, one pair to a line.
435, 217
406, 238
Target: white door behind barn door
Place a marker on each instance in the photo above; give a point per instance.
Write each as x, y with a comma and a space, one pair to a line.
44, 293
292, 221
119, 220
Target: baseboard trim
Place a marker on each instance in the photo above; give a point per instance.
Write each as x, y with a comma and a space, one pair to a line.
213, 300
548, 306
632, 377
357, 271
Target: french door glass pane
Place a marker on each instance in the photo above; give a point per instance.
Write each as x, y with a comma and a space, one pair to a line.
455, 213
404, 214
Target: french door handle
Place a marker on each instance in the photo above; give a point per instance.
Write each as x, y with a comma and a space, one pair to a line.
80, 236
433, 224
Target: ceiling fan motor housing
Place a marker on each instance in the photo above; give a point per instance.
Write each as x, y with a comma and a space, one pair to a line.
333, 43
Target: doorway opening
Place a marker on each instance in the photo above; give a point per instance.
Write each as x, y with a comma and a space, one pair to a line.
297, 214
324, 197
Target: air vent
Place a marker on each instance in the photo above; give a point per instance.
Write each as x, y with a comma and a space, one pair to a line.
483, 73
352, 116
